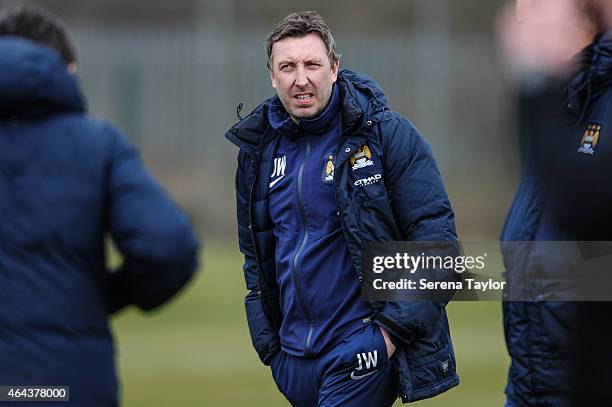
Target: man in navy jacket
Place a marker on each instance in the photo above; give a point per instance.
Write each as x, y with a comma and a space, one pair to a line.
66, 182
324, 167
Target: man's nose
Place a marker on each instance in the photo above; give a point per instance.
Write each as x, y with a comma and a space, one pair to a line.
301, 77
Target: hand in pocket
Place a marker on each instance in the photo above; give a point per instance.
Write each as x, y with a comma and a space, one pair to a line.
390, 346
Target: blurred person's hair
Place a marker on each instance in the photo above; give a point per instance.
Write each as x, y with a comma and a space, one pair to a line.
38, 25
594, 14
299, 25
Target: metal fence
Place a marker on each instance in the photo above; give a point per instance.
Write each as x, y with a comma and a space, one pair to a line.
175, 92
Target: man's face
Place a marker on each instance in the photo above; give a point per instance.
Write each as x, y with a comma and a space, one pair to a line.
302, 75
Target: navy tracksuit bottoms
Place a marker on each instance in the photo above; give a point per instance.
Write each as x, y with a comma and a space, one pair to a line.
355, 373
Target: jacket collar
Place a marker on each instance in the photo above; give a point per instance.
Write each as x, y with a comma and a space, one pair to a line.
361, 100
594, 77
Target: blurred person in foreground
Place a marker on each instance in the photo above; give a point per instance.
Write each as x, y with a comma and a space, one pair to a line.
66, 182
323, 167
561, 52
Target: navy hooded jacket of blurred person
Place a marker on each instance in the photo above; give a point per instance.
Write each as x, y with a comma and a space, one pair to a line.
323, 167
559, 349
66, 182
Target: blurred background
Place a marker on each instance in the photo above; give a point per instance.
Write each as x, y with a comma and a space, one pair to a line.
170, 74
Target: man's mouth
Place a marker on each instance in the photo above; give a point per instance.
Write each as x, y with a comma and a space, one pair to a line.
304, 97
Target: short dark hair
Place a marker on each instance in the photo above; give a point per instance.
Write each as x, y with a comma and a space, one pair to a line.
39, 26
300, 25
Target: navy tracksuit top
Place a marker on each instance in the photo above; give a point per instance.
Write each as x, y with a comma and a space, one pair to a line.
319, 290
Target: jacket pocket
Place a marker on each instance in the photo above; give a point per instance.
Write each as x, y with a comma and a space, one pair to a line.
426, 376
264, 338
430, 369
427, 366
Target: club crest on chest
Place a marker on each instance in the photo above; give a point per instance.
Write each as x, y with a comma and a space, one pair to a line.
590, 139
328, 169
362, 158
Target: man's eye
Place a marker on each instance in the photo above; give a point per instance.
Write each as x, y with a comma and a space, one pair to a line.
285, 67
314, 65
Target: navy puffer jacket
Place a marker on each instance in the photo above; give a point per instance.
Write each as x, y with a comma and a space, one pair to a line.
563, 196
67, 182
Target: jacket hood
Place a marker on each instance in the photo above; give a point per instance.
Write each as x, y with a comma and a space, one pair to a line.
34, 81
594, 76
362, 100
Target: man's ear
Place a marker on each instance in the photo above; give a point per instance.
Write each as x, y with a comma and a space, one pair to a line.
335, 67
72, 68
272, 79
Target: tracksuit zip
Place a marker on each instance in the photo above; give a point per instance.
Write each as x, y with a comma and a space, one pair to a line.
295, 274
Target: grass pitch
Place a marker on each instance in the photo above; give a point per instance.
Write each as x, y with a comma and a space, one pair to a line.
196, 351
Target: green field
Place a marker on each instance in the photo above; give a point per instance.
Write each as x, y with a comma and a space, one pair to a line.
196, 351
